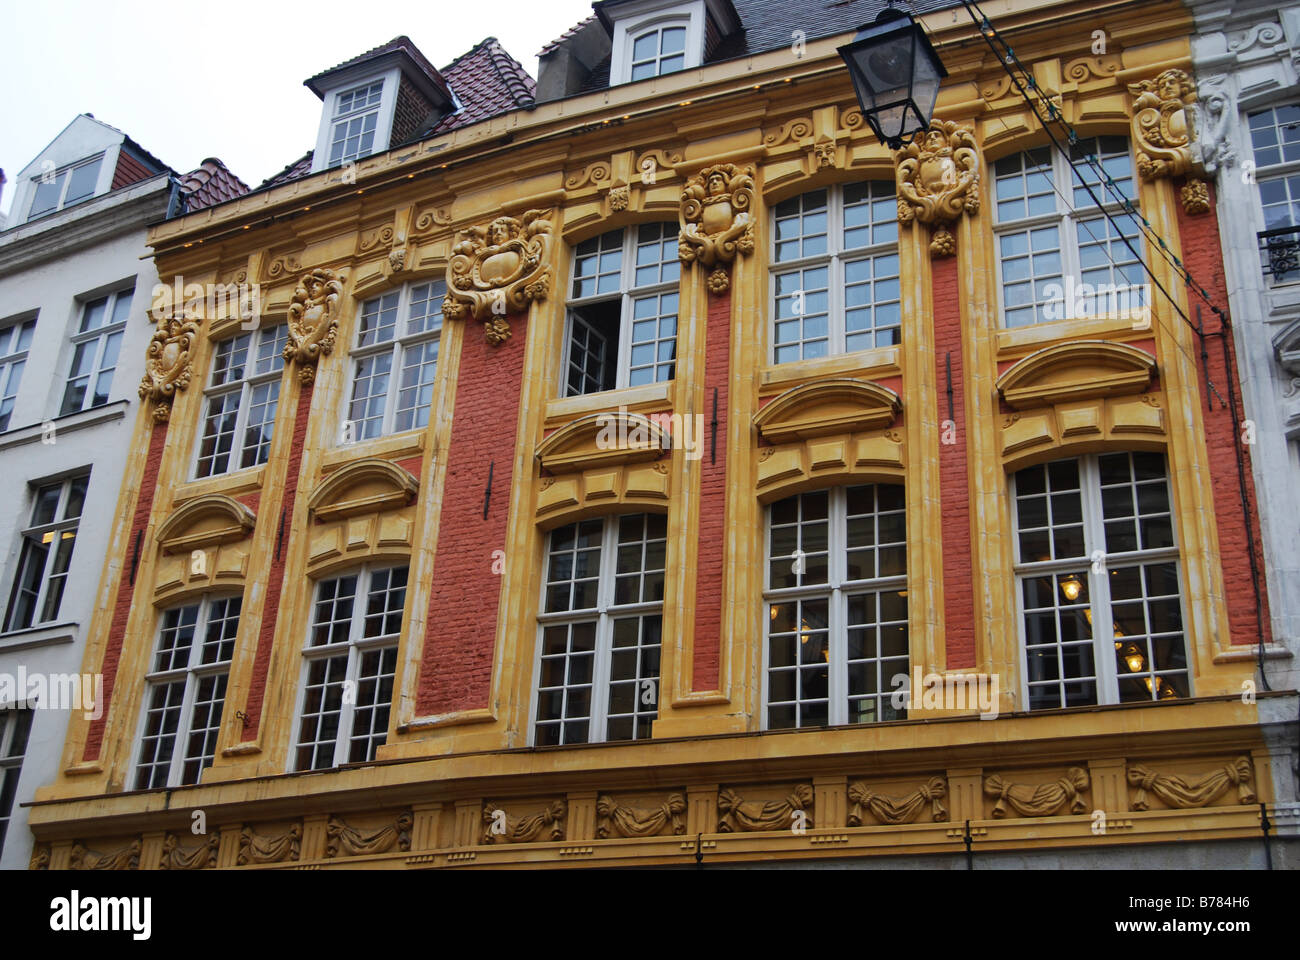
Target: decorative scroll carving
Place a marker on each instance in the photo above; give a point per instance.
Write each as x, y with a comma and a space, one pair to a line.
254, 848
40, 857
1164, 126
128, 858
716, 224
346, 841
285, 264
996, 88
853, 119
1215, 133
1201, 792
621, 821
1085, 68
595, 174
938, 181
313, 321
1260, 33
384, 236
438, 217
176, 857
168, 364
893, 811
498, 269
739, 816
500, 827
791, 130
1039, 800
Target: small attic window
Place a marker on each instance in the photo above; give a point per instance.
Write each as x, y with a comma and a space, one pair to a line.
356, 118
58, 189
659, 50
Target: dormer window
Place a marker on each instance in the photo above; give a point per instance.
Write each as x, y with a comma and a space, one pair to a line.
356, 118
655, 38
658, 51
63, 188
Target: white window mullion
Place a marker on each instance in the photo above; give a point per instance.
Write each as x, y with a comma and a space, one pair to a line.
356, 632
176, 769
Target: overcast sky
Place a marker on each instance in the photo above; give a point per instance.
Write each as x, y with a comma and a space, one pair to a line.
189, 81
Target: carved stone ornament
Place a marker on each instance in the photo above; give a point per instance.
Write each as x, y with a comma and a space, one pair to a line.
893, 811
201, 857
344, 840
1039, 800
313, 321
619, 197
716, 223
499, 269
616, 820
1164, 128
739, 816
1216, 132
500, 827
168, 365
254, 848
938, 181
1182, 795
128, 858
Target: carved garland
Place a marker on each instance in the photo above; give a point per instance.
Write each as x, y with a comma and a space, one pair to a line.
128, 858
313, 321
201, 857
1201, 792
739, 816
1039, 800
716, 223
938, 181
1164, 128
893, 811
347, 841
254, 848
499, 827
499, 269
168, 364
622, 821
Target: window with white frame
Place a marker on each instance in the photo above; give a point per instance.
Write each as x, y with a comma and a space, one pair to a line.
355, 121
835, 272
1054, 244
1098, 582
15, 341
15, 728
241, 400
659, 50
837, 628
395, 360
62, 188
185, 692
1275, 140
46, 553
601, 631
350, 662
95, 347
623, 309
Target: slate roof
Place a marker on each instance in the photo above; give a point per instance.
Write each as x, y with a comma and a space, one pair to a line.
487, 82
211, 183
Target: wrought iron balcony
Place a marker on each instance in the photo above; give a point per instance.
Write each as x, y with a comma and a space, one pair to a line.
1280, 252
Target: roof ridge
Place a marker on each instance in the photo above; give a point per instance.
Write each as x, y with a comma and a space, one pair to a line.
500, 53
470, 52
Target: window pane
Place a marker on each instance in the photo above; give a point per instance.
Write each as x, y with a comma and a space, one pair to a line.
81, 183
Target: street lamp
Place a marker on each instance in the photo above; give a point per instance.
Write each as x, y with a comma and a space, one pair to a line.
896, 76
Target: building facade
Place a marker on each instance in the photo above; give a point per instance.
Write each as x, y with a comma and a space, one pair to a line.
650, 467
75, 292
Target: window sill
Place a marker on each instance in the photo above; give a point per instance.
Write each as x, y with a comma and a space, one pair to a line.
397, 446
865, 364
42, 635
651, 398
1014, 343
228, 484
68, 423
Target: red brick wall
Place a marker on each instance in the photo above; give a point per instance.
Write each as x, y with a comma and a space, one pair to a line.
954, 481
125, 588
710, 519
1203, 256
275, 577
409, 113
456, 669
129, 170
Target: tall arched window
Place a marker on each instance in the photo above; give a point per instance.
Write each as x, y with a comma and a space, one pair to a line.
623, 310
835, 272
1052, 239
837, 623
1098, 582
600, 631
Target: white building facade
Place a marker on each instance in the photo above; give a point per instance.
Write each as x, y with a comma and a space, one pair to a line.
75, 293
1246, 55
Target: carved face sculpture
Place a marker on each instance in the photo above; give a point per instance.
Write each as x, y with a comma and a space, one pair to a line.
1169, 86
504, 264
717, 185
717, 217
935, 141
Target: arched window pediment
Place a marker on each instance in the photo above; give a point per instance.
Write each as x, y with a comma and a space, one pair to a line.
1080, 370
603, 439
205, 522
366, 486
827, 407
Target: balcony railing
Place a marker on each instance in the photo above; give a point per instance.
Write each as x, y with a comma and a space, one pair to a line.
1280, 251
